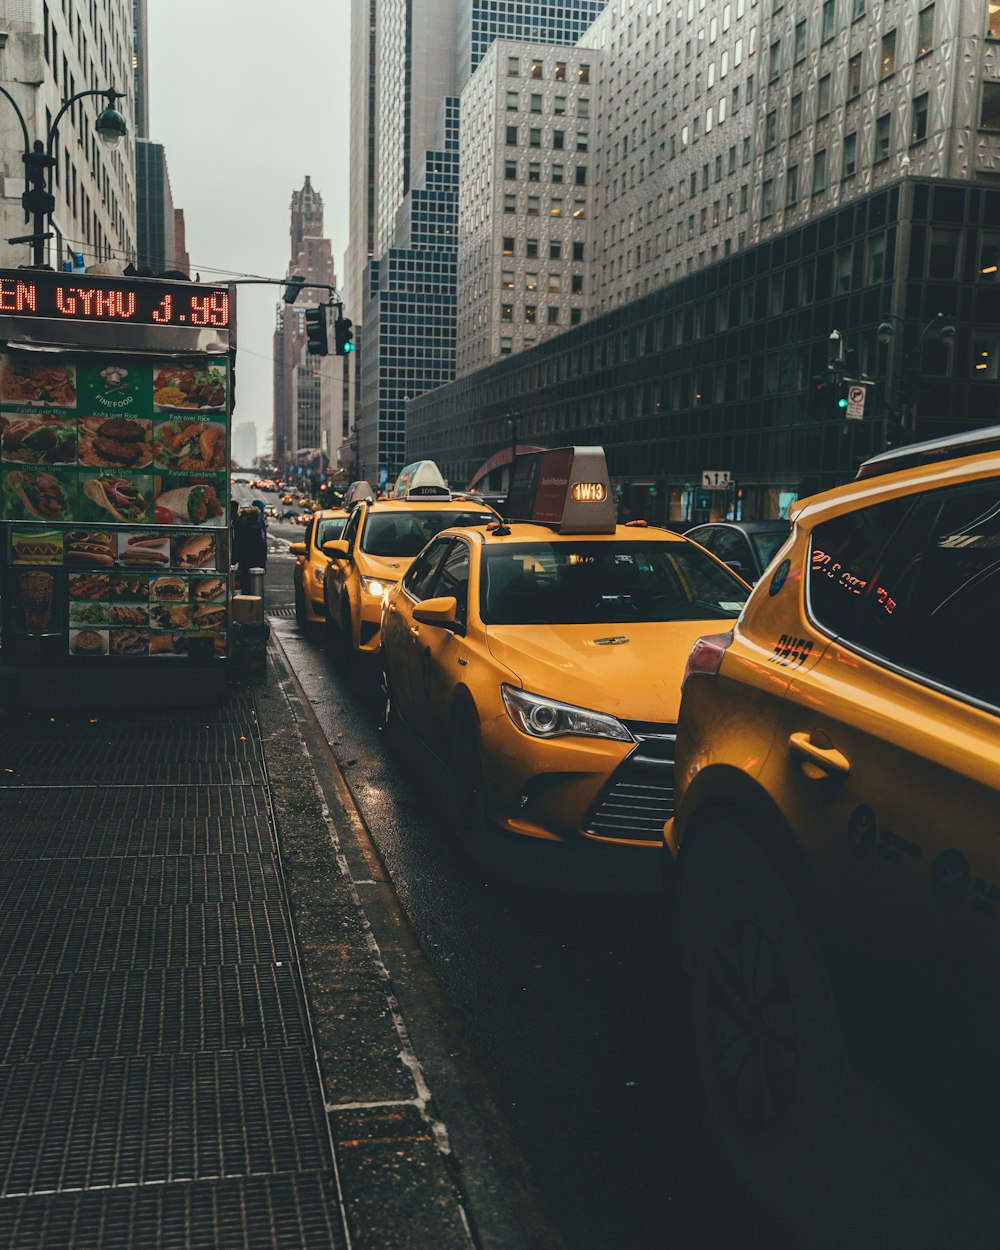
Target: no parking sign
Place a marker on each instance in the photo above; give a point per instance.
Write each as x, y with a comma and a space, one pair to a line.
855, 402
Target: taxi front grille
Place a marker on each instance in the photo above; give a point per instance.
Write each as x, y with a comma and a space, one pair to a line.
639, 796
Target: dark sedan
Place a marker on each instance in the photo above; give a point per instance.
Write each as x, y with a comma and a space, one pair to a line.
746, 546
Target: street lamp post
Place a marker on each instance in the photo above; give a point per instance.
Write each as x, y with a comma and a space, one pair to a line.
37, 199
513, 419
910, 364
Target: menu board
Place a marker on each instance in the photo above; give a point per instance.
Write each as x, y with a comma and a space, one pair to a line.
119, 592
113, 442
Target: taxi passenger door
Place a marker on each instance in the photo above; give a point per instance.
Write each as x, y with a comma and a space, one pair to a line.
337, 571
442, 657
887, 763
400, 632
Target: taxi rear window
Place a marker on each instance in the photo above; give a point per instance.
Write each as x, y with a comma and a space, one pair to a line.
590, 583
407, 533
330, 528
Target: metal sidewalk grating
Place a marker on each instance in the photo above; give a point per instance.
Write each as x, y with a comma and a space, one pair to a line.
46, 1017
261, 1213
154, 1119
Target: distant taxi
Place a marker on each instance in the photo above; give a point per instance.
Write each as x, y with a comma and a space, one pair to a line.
311, 564
838, 809
378, 545
541, 662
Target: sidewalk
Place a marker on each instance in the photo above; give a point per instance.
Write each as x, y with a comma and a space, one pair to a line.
201, 1044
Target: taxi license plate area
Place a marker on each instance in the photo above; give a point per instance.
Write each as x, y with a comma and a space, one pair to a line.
639, 796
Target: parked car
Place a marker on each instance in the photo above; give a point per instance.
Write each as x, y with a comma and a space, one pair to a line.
746, 546
837, 886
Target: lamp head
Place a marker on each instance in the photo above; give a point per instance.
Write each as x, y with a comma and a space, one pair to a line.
948, 331
885, 332
110, 125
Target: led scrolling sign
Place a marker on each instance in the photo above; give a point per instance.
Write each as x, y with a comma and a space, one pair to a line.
75, 297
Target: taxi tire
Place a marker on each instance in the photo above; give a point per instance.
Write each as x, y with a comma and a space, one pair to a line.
765, 1038
468, 786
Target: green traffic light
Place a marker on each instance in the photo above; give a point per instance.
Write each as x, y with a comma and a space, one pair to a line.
842, 402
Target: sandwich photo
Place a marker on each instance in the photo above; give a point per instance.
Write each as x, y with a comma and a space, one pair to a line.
151, 550
208, 589
191, 505
30, 494
209, 616
197, 552
168, 589
36, 546
169, 615
124, 499
167, 644
116, 442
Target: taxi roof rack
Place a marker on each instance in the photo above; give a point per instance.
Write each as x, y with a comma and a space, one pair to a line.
935, 450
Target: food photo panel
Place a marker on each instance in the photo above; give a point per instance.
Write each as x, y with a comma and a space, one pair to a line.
193, 551
130, 587
37, 440
185, 389
123, 497
145, 550
190, 444
33, 382
88, 642
183, 499
89, 548
35, 545
168, 588
89, 586
129, 642
209, 589
115, 442
32, 494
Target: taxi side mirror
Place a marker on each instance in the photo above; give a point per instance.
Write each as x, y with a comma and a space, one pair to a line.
336, 549
297, 549
441, 612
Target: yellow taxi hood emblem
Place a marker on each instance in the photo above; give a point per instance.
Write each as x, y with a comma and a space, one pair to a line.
575, 664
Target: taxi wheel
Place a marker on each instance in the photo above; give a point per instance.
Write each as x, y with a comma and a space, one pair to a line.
468, 786
765, 1035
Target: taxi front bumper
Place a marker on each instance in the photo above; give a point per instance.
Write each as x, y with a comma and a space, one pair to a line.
573, 788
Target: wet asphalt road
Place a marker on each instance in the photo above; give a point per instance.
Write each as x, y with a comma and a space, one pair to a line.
561, 994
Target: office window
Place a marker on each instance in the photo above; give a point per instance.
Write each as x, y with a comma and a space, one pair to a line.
531, 281
799, 40
553, 312
536, 101
559, 105
854, 77
555, 283
919, 130
766, 198
560, 74
925, 29
828, 20
557, 173
535, 137
534, 171
531, 248
510, 203
513, 101
583, 107
506, 312
536, 69
857, 9
507, 279
823, 97
510, 169
993, 22
770, 130
581, 175
513, 66
534, 205
583, 73
576, 284
792, 186
582, 140
774, 62
506, 345
559, 139
990, 117
530, 314
512, 136
555, 249
883, 134
989, 257
556, 207
795, 114
850, 154
508, 245
819, 171
986, 357
746, 150
575, 316
579, 209
942, 254
578, 251
887, 60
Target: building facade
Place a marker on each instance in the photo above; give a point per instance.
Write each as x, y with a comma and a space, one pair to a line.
767, 174
50, 52
156, 239
245, 444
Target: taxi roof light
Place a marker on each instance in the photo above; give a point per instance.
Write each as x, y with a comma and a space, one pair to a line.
421, 480
358, 492
566, 487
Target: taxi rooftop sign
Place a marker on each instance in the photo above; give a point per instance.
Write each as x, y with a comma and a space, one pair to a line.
421, 480
565, 487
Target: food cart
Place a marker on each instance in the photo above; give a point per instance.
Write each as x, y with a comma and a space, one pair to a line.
116, 397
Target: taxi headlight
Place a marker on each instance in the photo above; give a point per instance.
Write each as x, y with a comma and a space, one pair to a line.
547, 718
318, 574
375, 586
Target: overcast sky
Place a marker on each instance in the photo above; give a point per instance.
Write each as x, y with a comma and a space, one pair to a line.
249, 96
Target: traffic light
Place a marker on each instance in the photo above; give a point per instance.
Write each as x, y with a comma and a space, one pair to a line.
317, 335
343, 336
841, 396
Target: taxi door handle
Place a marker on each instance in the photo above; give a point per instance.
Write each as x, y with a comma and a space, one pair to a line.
827, 758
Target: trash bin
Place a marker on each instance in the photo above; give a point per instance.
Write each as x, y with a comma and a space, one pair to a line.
256, 582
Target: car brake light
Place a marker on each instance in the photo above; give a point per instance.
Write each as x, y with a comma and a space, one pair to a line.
706, 655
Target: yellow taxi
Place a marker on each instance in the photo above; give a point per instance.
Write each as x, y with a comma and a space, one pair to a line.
837, 833
378, 545
540, 659
311, 564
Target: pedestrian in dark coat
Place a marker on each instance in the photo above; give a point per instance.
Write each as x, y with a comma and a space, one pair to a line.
249, 545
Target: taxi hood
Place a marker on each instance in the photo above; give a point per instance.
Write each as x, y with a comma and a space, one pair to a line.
632, 671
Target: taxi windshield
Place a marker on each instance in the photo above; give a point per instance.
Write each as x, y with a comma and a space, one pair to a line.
407, 533
590, 583
329, 528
